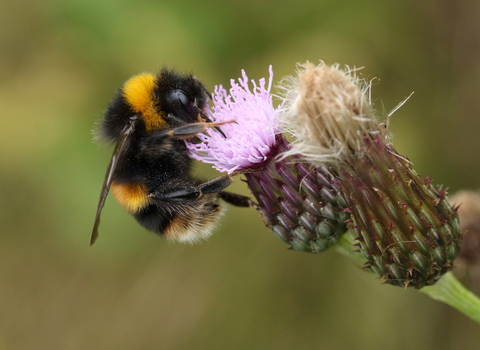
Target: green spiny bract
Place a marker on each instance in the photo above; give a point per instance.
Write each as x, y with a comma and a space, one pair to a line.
405, 227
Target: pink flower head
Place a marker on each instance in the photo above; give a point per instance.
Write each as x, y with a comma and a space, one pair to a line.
248, 142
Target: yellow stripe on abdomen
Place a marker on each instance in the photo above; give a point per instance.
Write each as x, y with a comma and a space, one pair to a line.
131, 196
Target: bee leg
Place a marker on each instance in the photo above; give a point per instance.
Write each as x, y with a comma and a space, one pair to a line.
212, 186
159, 142
235, 199
202, 117
191, 193
218, 184
190, 130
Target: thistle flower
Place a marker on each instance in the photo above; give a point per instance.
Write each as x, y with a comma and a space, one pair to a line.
404, 227
251, 140
298, 201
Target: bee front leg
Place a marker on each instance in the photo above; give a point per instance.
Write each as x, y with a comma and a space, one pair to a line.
159, 141
188, 131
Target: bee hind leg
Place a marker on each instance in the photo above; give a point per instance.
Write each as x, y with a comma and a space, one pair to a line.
236, 199
218, 184
194, 192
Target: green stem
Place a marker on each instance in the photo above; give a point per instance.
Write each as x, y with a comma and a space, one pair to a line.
449, 290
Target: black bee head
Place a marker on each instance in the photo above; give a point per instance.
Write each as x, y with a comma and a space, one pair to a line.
182, 98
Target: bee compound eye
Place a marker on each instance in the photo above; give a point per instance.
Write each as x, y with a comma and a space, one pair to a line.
178, 96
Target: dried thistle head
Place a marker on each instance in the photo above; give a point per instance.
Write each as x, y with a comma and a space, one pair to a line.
328, 112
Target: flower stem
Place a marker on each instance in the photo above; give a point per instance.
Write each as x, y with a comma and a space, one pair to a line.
449, 290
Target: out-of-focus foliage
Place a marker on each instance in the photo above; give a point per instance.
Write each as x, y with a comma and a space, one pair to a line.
60, 63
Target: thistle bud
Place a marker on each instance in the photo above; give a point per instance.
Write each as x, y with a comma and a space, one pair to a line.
405, 227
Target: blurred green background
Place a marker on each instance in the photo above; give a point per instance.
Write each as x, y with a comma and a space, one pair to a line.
61, 62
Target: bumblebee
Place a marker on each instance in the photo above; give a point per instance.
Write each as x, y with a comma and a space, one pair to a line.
150, 171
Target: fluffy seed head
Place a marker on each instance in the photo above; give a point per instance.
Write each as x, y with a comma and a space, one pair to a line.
327, 112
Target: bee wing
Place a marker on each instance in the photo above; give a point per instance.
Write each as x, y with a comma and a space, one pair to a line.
119, 149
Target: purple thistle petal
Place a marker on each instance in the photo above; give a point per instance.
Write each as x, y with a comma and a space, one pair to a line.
250, 139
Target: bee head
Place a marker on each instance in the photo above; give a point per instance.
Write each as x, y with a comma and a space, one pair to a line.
168, 99
181, 97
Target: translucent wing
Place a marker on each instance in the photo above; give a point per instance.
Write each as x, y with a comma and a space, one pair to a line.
119, 150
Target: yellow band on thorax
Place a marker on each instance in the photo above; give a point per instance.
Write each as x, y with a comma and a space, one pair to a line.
138, 93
